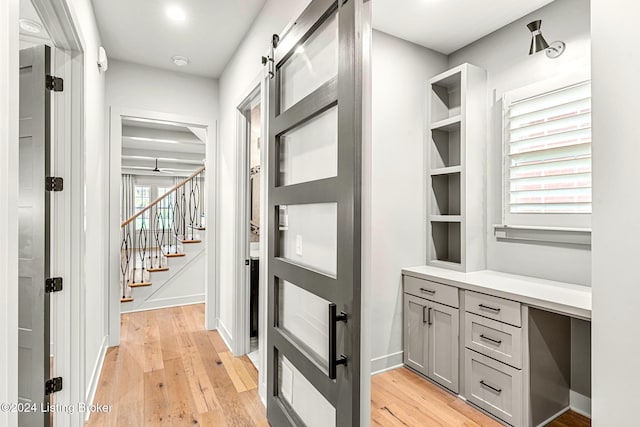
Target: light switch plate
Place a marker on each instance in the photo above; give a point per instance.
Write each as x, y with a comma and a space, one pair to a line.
299, 244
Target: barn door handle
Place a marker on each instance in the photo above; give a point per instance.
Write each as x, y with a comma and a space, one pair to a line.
334, 360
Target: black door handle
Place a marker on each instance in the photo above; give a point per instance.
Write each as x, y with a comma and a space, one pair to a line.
334, 360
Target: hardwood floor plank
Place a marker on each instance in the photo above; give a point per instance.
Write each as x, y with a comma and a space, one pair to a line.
167, 371
156, 399
227, 360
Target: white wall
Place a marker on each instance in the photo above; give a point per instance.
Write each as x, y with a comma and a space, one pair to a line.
616, 294
400, 71
236, 82
504, 54
9, 66
135, 86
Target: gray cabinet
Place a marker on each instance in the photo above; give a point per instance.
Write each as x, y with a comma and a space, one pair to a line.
443, 324
416, 333
431, 340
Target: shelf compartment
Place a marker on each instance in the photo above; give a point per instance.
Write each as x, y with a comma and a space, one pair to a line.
445, 146
445, 194
446, 96
446, 242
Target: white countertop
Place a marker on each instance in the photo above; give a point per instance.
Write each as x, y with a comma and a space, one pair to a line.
565, 298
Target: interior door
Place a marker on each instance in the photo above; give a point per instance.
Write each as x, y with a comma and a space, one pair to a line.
33, 225
314, 178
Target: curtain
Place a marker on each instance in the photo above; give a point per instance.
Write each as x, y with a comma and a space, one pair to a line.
127, 197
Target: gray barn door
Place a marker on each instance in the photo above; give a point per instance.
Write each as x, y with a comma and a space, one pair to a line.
313, 334
33, 224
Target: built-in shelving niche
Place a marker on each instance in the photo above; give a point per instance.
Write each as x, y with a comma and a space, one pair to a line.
455, 170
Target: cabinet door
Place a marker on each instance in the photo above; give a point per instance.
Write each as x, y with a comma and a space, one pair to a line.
415, 333
443, 322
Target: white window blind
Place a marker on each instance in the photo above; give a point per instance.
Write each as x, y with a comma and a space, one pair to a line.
549, 152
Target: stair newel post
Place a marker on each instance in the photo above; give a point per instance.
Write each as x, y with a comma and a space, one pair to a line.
134, 252
143, 243
154, 235
183, 211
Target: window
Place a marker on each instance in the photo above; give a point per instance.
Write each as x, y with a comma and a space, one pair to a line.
143, 198
165, 207
548, 157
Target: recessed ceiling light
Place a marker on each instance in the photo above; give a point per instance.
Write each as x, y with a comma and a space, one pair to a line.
30, 26
180, 61
176, 13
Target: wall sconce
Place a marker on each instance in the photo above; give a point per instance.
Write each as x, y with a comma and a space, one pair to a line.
538, 43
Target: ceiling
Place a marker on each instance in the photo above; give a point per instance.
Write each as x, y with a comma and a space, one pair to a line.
445, 25
28, 12
178, 149
140, 31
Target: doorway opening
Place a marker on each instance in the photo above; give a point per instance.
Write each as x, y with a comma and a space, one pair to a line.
162, 214
250, 237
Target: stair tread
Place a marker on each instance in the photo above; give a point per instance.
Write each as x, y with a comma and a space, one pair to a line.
126, 299
155, 270
174, 255
139, 284
190, 241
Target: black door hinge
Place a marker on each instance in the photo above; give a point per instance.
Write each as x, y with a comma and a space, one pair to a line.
246, 262
53, 284
54, 83
53, 385
54, 183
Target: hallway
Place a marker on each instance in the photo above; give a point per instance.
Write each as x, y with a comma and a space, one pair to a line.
169, 371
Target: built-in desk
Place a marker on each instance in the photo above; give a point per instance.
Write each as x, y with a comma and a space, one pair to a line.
501, 341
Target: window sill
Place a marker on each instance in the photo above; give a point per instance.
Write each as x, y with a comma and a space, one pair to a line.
548, 235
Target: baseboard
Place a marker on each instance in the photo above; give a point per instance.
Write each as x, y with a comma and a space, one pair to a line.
168, 302
224, 333
386, 363
554, 416
580, 403
95, 375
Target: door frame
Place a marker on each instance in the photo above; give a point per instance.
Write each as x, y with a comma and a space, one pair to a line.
241, 337
211, 213
67, 319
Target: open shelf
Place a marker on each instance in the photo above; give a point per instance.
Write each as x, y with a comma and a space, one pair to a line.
450, 124
445, 241
445, 218
445, 147
446, 96
445, 170
445, 194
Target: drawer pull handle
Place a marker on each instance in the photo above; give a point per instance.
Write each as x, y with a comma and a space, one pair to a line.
424, 320
429, 315
497, 390
486, 307
428, 291
493, 340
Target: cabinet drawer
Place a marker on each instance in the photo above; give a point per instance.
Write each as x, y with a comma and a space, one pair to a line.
497, 340
494, 386
495, 308
433, 291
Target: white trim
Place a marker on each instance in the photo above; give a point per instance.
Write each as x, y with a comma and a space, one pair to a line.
211, 243
9, 128
564, 235
580, 403
241, 291
169, 302
224, 333
387, 362
95, 375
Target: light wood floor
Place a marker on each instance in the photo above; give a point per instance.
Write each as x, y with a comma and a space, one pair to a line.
170, 371
402, 398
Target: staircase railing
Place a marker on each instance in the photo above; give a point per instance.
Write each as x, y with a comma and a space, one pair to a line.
153, 234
